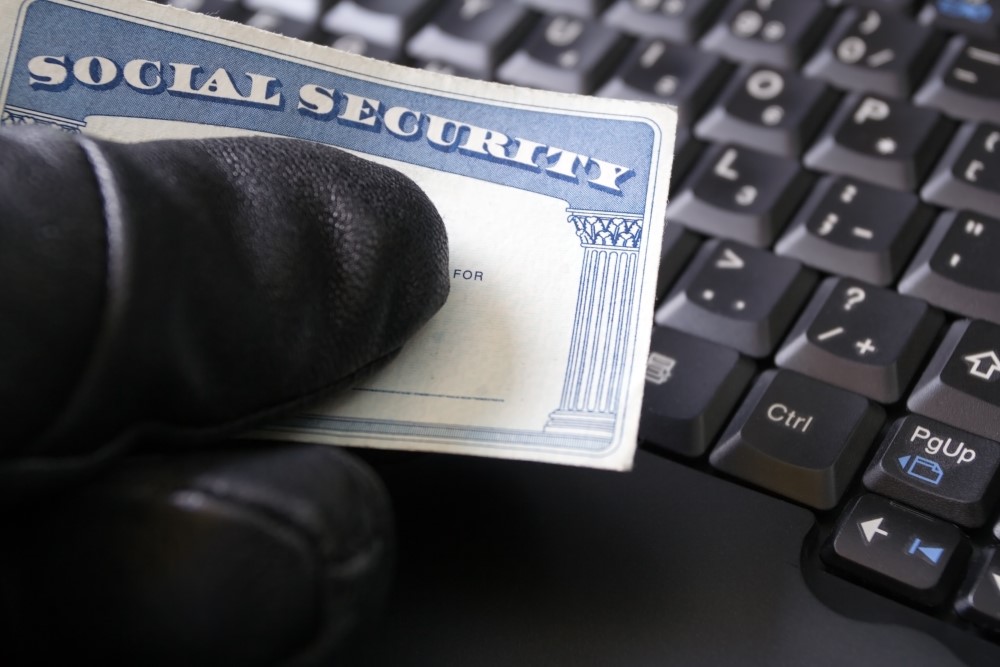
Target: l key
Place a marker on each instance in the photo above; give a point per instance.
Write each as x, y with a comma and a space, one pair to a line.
740, 194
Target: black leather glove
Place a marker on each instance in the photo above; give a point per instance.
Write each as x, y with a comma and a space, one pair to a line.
154, 298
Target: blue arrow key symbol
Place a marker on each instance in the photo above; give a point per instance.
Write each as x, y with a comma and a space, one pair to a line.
932, 554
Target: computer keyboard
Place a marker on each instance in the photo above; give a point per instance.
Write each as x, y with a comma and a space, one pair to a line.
828, 328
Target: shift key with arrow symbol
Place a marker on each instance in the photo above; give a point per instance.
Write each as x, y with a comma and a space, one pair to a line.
906, 553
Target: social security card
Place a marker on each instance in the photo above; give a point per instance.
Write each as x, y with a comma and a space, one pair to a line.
554, 207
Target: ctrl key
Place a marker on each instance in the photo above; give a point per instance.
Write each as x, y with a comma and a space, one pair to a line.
891, 547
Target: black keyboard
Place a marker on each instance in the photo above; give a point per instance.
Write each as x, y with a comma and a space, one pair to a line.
828, 328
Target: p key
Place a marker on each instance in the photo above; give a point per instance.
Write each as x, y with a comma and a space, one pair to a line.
884, 141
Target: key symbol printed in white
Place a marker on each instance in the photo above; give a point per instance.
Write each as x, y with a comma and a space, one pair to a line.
851, 50
871, 108
563, 31
871, 23
848, 193
972, 171
729, 260
473, 8
724, 167
746, 196
829, 222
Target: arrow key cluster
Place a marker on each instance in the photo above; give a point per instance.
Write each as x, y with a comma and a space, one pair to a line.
903, 552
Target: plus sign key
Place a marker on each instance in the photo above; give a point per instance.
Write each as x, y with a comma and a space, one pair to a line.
892, 547
961, 384
938, 469
799, 438
860, 337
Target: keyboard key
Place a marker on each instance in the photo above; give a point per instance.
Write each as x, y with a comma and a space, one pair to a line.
564, 53
661, 72
799, 438
740, 194
737, 296
384, 22
909, 554
886, 142
871, 51
855, 229
582, 8
303, 11
977, 17
676, 249
966, 81
956, 268
471, 35
968, 175
282, 24
680, 21
768, 110
359, 45
937, 469
686, 152
893, 6
980, 601
691, 387
862, 338
961, 384
227, 9
772, 32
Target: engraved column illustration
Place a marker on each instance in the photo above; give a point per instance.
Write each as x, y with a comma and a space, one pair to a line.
598, 352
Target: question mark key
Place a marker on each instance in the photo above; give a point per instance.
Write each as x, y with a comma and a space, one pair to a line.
837, 340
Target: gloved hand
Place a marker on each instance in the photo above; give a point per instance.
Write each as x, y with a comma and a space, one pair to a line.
154, 299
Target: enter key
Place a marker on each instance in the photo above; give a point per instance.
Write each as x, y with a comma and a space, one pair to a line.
939, 469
